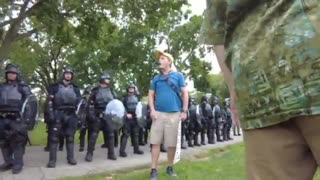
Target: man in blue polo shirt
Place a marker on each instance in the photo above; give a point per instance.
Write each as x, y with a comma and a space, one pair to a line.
168, 101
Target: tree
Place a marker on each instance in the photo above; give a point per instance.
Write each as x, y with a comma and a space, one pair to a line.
217, 85
92, 36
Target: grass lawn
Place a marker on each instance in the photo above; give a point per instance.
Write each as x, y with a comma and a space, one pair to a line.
219, 164
39, 136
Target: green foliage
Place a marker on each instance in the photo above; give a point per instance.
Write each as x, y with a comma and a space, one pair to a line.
217, 85
119, 37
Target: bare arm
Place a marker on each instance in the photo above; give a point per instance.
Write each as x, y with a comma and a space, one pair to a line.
185, 98
227, 74
151, 100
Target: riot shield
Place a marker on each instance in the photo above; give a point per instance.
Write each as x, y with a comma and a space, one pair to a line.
81, 113
29, 111
141, 113
114, 113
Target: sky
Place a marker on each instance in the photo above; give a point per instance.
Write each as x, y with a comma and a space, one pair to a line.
197, 8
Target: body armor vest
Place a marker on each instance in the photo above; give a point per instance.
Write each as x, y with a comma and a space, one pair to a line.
10, 98
103, 97
65, 98
217, 111
131, 103
193, 112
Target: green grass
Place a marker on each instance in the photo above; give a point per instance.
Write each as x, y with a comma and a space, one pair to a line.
219, 164
39, 136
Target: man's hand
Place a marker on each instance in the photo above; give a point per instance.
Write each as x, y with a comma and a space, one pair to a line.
183, 116
153, 115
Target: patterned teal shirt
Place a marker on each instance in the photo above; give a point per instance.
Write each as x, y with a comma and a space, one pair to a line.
273, 50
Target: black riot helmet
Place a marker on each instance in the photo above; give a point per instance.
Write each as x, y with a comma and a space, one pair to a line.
132, 85
204, 99
67, 70
104, 76
12, 68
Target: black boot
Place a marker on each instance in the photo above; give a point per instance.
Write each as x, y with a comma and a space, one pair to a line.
52, 155
70, 154
123, 144
7, 156
218, 134
116, 138
111, 154
18, 153
203, 141
196, 142
89, 156
210, 136
82, 139
105, 144
183, 146
162, 148
136, 149
190, 139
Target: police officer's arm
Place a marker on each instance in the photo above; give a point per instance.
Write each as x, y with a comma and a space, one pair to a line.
78, 94
26, 91
203, 109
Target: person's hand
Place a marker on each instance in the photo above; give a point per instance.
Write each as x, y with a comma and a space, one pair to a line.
129, 116
153, 115
183, 116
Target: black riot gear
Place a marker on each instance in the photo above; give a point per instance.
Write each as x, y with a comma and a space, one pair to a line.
65, 97
103, 97
62, 120
131, 125
10, 98
131, 103
13, 126
97, 121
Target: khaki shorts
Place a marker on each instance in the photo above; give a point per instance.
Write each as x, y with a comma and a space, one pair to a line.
287, 151
165, 129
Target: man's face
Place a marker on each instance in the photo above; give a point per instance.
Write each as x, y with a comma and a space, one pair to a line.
68, 76
105, 82
131, 90
12, 76
164, 62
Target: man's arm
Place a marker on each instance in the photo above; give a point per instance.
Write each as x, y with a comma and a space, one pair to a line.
227, 74
185, 98
151, 97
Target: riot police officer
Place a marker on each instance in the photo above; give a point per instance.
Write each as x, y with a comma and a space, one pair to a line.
217, 117
228, 119
99, 97
63, 98
14, 124
208, 118
192, 118
204, 118
131, 127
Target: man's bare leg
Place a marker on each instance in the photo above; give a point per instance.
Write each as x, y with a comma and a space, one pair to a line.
170, 155
155, 153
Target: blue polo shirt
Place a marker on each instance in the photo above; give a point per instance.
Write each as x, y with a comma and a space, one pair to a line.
166, 99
